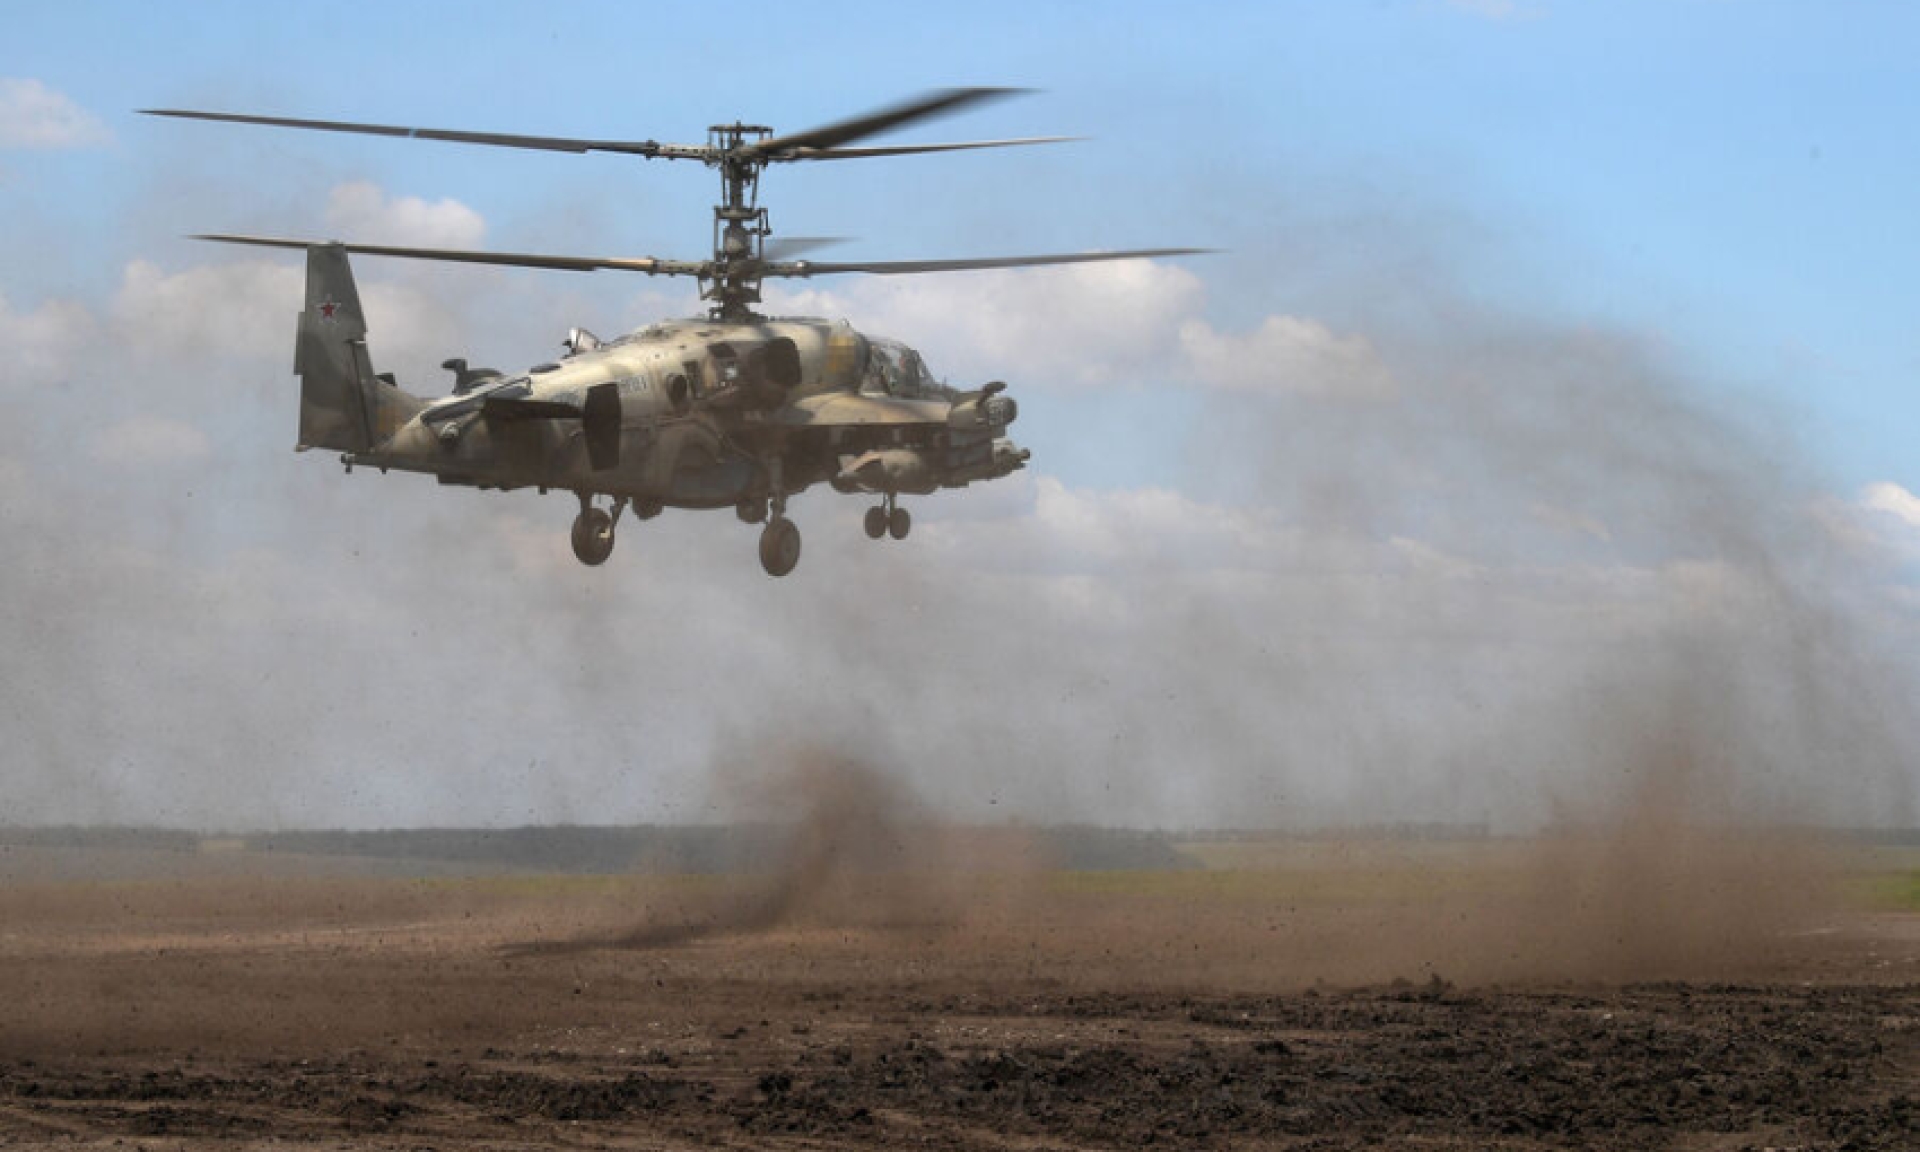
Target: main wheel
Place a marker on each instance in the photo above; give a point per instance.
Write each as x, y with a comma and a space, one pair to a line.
751, 511
779, 546
876, 521
899, 523
593, 536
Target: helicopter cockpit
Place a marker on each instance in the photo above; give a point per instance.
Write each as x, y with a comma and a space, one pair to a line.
893, 369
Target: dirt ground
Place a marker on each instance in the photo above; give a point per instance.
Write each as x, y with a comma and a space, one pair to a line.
1361, 1002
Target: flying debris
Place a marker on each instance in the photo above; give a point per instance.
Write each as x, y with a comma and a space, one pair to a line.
733, 410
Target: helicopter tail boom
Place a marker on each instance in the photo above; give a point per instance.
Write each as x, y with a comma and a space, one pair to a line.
343, 403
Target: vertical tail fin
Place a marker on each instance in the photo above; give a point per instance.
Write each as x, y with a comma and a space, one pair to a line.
343, 404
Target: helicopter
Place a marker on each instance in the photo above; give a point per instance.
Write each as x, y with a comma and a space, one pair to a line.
730, 410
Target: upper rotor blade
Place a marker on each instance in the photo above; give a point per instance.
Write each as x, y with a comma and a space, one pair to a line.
497, 139
860, 127
910, 149
648, 264
788, 247
898, 267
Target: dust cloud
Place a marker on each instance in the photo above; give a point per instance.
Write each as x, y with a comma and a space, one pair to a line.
843, 844
1529, 575
1526, 573
1552, 579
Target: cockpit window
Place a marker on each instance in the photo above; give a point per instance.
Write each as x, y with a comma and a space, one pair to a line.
898, 370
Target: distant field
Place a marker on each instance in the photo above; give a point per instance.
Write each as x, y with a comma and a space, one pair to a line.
110, 853
1885, 880
1868, 877
1245, 868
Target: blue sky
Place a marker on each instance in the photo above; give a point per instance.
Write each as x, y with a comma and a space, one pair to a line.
1548, 315
1734, 174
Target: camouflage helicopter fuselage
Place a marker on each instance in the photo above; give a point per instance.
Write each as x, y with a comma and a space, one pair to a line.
699, 413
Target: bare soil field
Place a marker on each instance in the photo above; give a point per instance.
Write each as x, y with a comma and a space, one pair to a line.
1319, 996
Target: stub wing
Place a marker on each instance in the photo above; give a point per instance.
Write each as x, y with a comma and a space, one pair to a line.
891, 445
863, 410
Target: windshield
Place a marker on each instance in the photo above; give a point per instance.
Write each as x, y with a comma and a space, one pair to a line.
898, 370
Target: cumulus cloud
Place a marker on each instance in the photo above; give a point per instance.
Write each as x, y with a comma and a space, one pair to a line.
248, 307
362, 211
207, 307
1089, 531
1077, 325
1096, 325
1288, 353
39, 347
33, 115
1892, 500
1883, 522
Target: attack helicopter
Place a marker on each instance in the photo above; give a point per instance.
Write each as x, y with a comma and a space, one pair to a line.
730, 410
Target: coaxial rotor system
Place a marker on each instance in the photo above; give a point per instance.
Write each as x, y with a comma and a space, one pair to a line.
742, 257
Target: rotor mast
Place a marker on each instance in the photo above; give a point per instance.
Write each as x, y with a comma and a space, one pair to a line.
740, 226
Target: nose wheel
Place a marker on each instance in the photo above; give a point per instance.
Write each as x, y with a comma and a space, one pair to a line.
593, 531
888, 519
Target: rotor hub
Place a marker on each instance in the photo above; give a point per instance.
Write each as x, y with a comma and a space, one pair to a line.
740, 225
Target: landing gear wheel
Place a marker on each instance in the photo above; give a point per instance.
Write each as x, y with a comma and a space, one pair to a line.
593, 536
899, 523
779, 546
876, 522
751, 511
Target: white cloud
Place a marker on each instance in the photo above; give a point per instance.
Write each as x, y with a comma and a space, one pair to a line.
1132, 321
145, 441
1885, 518
210, 309
33, 115
1097, 325
37, 347
1077, 325
1892, 500
249, 308
1287, 354
360, 211
1151, 527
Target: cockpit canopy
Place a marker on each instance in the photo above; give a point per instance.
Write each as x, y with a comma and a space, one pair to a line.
894, 369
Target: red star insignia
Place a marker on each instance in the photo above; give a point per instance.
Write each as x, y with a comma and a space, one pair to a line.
327, 308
